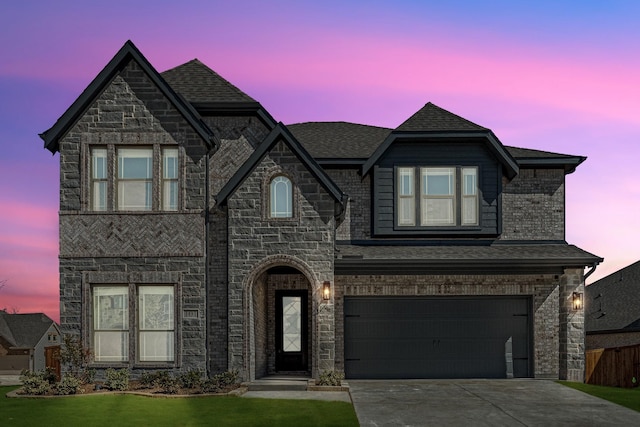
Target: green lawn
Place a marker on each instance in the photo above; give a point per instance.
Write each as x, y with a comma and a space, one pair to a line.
124, 410
629, 397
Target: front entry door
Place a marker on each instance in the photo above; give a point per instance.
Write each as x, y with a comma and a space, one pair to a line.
291, 331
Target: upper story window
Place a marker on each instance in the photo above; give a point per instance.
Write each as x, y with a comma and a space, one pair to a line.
98, 179
135, 178
280, 197
447, 197
131, 179
170, 179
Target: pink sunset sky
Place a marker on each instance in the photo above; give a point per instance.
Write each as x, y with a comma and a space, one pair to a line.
554, 76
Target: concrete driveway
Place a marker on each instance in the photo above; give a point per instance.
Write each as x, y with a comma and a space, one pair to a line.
514, 402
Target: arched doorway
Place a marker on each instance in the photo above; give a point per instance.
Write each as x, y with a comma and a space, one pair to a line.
280, 322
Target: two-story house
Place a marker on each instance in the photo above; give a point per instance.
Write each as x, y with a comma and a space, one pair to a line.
198, 232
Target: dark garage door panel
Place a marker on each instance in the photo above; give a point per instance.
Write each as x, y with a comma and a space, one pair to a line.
443, 337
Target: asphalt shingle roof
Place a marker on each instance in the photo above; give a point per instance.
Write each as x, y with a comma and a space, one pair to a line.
433, 118
198, 83
613, 302
343, 140
26, 329
339, 139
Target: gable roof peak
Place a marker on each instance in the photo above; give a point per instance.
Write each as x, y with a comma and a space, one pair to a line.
128, 52
433, 118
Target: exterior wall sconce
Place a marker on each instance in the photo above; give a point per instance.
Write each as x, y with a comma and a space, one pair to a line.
578, 301
326, 290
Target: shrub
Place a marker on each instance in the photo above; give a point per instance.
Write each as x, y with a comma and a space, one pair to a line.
117, 379
191, 378
332, 378
149, 379
68, 385
220, 381
34, 382
77, 357
167, 383
49, 374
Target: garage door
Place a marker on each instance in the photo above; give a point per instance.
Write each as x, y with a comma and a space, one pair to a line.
437, 337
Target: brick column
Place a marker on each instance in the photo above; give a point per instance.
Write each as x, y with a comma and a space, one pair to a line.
572, 337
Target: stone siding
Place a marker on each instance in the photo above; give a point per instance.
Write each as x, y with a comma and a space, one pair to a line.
142, 247
533, 205
77, 275
256, 242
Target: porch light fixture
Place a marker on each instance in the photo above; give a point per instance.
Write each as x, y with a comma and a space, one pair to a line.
326, 290
577, 300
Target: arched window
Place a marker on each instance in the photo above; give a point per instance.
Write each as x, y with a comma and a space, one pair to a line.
281, 197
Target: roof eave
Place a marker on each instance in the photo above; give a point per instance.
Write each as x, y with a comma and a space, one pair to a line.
511, 165
570, 164
128, 51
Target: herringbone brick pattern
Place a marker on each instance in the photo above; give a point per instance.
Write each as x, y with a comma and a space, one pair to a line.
131, 235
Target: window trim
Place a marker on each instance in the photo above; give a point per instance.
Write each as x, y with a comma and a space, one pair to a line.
288, 214
457, 197
112, 178
95, 280
118, 180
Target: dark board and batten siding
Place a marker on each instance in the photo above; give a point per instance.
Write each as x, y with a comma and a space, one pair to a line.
454, 154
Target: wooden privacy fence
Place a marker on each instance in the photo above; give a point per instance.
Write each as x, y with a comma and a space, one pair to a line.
614, 367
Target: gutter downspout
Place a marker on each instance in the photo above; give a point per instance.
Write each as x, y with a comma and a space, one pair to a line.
206, 267
590, 272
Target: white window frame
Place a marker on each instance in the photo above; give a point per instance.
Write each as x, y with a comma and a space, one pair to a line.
427, 200
106, 321
148, 332
469, 197
126, 185
170, 179
278, 183
406, 196
98, 186
463, 200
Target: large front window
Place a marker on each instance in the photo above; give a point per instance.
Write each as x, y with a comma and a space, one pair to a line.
154, 323
447, 196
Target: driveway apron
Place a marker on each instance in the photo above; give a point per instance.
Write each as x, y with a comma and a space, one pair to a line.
515, 402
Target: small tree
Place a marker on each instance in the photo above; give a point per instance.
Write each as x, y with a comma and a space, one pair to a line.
76, 357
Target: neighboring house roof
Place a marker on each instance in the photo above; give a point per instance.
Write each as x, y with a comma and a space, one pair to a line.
24, 330
462, 257
433, 118
613, 302
281, 133
127, 53
198, 83
339, 140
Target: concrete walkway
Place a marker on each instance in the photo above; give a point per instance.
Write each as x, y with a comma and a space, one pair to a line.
10, 380
482, 403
